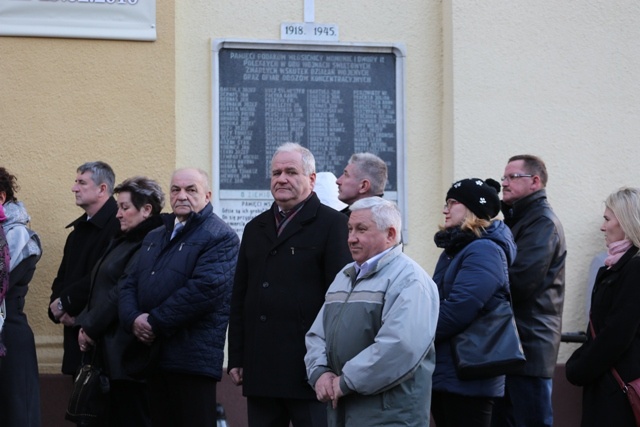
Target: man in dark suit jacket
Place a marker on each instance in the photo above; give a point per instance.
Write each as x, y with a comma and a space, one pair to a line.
289, 256
85, 245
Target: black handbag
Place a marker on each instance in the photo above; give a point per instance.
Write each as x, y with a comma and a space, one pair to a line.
90, 395
490, 346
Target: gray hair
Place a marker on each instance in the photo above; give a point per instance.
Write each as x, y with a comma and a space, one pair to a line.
308, 161
143, 191
204, 177
625, 204
371, 167
101, 173
383, 212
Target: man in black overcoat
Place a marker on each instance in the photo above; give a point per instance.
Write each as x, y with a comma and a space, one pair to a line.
289, 256
91, 234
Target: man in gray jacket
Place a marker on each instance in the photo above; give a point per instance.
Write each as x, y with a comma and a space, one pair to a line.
370, 350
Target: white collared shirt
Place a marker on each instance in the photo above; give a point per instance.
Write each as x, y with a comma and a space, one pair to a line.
370, 264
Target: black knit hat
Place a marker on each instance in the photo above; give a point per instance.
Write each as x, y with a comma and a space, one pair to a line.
480, 197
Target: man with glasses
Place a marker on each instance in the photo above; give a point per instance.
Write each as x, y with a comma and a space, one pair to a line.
537, 288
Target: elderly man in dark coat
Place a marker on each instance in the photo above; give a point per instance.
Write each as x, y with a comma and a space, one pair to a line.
178, 295
289, 256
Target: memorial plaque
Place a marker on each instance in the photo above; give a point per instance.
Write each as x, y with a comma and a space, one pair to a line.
335, 100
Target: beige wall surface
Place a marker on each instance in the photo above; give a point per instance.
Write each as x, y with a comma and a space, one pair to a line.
68, 101
484, 80
552, 78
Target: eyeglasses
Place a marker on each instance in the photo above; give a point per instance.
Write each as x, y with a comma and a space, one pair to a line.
449, 204
515, 176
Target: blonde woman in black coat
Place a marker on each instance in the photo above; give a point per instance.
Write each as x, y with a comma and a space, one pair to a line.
615, 317
140, 201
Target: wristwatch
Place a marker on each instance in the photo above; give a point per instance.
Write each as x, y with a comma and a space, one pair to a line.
60, 307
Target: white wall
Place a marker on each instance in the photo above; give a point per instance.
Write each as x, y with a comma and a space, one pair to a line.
552, 78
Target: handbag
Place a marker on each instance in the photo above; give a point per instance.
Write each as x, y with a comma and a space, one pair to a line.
90, 395
631, 389
490, 346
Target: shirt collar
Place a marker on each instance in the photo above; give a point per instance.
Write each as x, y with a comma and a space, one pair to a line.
370, 264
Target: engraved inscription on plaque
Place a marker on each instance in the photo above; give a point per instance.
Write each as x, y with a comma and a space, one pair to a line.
334, 103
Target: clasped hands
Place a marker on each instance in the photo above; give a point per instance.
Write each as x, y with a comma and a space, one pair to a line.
142, 330
328, 388
85, 341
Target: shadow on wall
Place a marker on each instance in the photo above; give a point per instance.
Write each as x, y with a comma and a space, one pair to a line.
56, 388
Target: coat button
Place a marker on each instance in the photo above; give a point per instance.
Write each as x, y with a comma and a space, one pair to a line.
263, 318
265, 285
273, 252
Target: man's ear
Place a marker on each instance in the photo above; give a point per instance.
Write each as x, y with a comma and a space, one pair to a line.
365, 186
536, 183
391, 234
312, 179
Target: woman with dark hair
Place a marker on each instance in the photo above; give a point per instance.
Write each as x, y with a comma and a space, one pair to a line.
140, 201
4, 282
613, 334
19, 382
472, 275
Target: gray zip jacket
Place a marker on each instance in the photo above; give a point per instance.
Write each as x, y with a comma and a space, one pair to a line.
377, 333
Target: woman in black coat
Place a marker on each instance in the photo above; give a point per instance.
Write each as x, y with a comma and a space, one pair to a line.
615, 318
140, 201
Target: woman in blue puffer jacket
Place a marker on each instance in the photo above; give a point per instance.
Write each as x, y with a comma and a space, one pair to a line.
471, 273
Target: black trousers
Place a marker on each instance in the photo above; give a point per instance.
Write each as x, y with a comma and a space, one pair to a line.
183, 400
455, 410
276, 412
129, 404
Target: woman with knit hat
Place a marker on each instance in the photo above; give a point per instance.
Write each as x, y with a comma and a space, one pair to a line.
471, 273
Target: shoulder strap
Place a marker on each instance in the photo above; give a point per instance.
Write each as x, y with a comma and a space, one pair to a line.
614, 371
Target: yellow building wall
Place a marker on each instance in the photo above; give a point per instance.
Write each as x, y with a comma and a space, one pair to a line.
484, 80
64, 102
